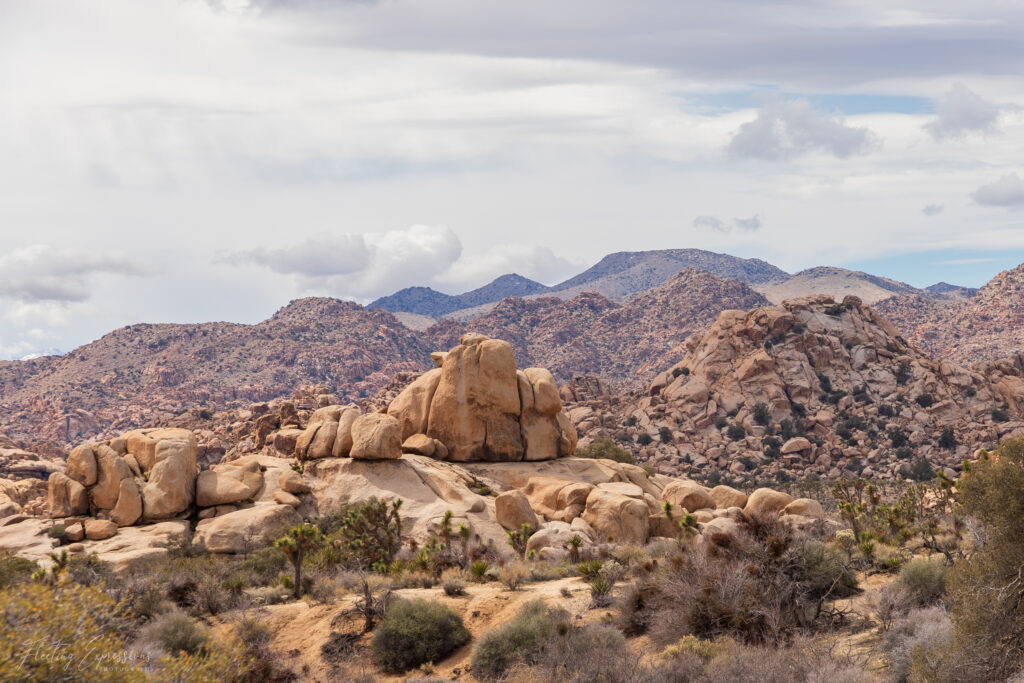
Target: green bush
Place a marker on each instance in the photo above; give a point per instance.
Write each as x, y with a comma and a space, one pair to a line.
14, 569
735, 432
369, 534
762, 415
823, 570
175, 632
415, 632
925, 400
604, 447
516, 641
923, 580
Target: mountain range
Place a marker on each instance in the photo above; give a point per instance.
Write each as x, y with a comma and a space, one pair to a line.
624, 320
624, 275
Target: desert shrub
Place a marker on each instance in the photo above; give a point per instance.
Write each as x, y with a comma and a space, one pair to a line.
947, 439
59, 633
735, 432
762, 415
512, 575
453, 581
415, 632
601, 592
89, 570
925, 400
174, 632
757, 585
478, 569
518, 640
921, 470
604, 447
14, 569
1000, 415
823, 571
923, 581
986, 592
264, 565
595, 652
920, 632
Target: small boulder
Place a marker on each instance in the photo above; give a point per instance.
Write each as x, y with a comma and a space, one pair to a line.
687, 495
806, 507
98, 529
235, 532
764, 501
376, 436
292, 482
213, 488
82, 465
65, 496
727, 497
419, 444
285, 498
512, 510
128, 509
617, 518
343, 439
797, 444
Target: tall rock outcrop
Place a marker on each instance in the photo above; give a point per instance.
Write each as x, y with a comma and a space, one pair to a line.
481, 408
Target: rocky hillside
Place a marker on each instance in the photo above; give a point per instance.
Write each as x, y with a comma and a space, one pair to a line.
810, 387
145, 374
591, 334
987, 326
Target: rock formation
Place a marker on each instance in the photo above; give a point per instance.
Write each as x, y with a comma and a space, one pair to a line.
810, 386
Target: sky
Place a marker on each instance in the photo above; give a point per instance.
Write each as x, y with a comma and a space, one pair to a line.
195, 160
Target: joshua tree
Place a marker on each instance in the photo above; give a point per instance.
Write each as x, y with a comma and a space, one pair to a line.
296, 544
574, 544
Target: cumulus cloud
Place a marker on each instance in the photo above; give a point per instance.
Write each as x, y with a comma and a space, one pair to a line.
962, 111
785, 129
360, 265
365, 266
534, 261
1007, 191
718, 225
932, 209
39, 273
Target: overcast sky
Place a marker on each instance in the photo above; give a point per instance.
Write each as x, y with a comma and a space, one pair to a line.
191, 160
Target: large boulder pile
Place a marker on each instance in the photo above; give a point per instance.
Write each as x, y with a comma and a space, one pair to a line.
810, 386
143, 475
478, 406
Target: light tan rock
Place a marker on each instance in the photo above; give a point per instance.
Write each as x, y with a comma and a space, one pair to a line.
214, 489
540, 432
806, 507
557, 498
420, 444
617, 518
99, 529
545, 391
343, 439
306, 438
512, 510
238, 531
554, 535
412, 406
322, 445
797, 444
376, 436
292, 482
65, 496
568, 436
687, 495
82, 465
764, 501
128, 509
437, 357
727, 497
476, 405
111, 469
285, 498
170, 486
75, 532
284, 440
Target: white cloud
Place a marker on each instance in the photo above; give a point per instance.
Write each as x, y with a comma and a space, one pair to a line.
360, 265
785, 129
1007, 191
961, 111
534, 261
932, 209
718, 225
40, 273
